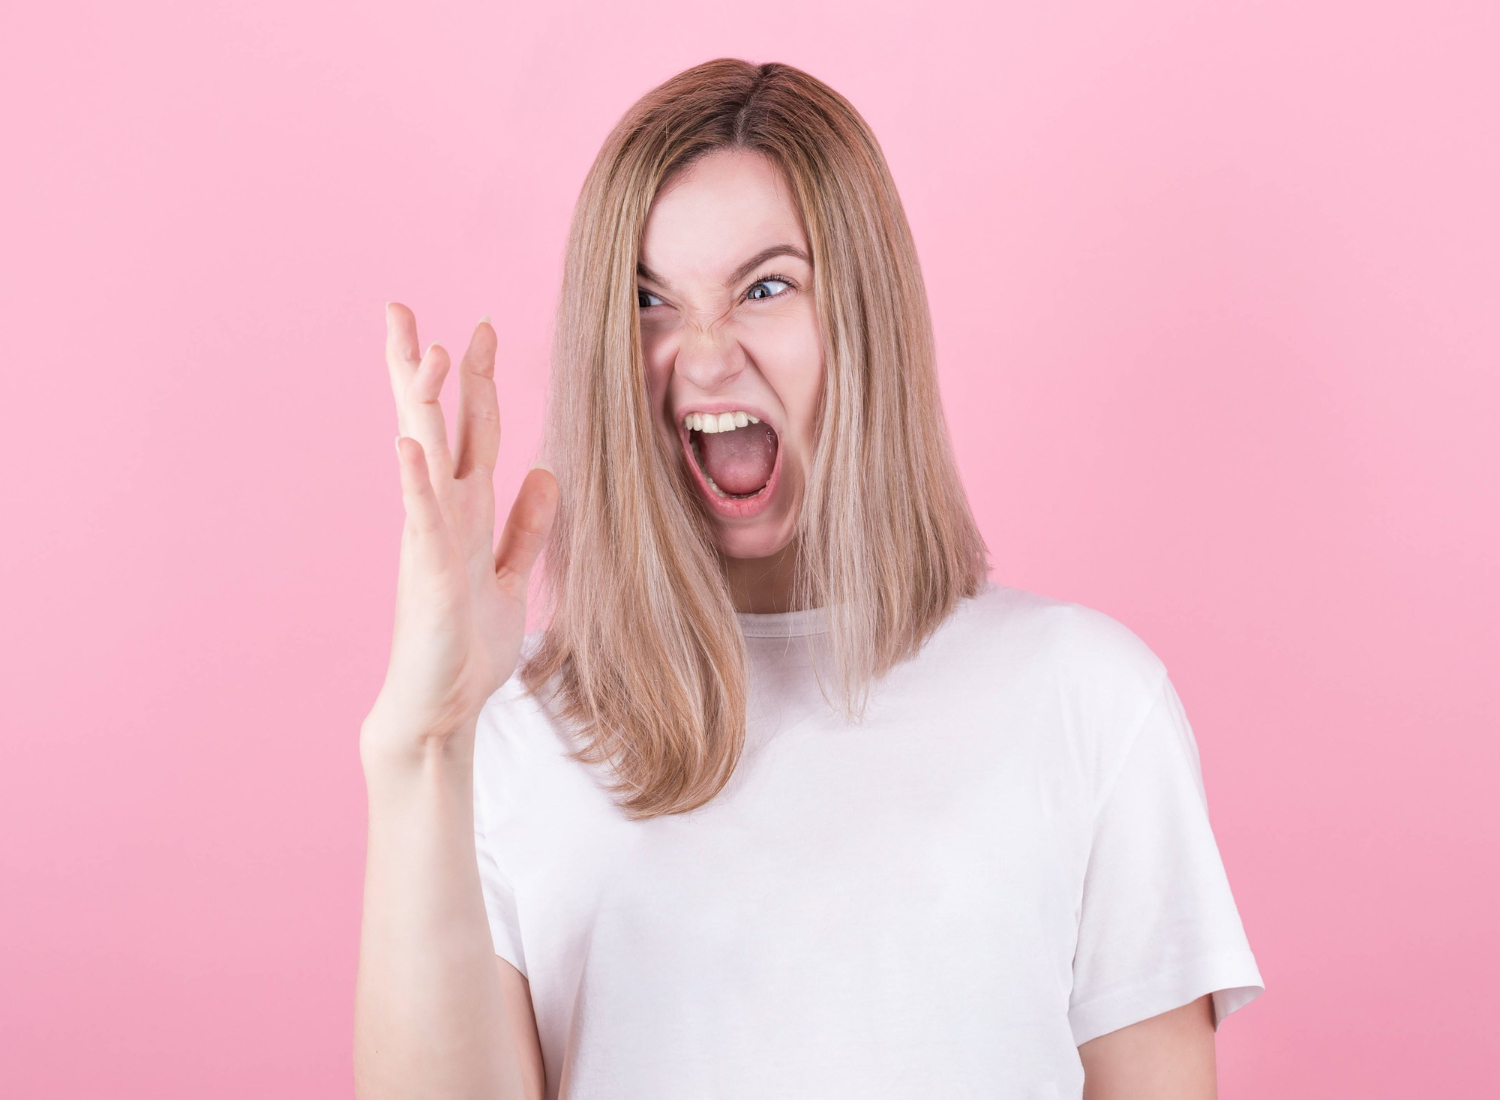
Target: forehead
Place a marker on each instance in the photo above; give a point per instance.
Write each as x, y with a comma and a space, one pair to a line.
724, 208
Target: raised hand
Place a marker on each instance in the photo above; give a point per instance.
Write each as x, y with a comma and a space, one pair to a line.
460, 600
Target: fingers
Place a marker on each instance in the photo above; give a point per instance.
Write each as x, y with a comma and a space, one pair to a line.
424, 516
526, 530
478, 434
416, 381
424, 415
401, 355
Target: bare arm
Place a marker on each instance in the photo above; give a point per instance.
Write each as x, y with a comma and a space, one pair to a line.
515, 991
434, 1014
430, 1015
1166, 1057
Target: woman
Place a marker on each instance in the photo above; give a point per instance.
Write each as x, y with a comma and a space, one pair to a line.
786, 800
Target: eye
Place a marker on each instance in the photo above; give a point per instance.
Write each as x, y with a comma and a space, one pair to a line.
769, 279
643, 295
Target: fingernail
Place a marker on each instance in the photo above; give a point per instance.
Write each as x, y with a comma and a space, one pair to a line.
398, 444
541, 464
485, 319
430, 346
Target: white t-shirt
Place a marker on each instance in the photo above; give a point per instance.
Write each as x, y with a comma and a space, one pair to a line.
1009, 857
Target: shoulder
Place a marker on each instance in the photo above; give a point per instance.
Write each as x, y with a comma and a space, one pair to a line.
513, 713
1070, 641
518, 742
538, 805
1084, 675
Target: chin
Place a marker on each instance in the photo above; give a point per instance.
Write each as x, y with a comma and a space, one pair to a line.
762, 538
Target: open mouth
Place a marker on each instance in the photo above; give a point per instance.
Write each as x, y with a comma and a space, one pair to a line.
735, 456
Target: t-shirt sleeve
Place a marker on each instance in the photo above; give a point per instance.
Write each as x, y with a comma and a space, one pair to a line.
499, 894
1158, 926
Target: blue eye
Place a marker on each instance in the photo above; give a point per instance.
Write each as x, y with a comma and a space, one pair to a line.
642, 293
769, 279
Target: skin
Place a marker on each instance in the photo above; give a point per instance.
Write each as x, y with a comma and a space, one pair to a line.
708, 338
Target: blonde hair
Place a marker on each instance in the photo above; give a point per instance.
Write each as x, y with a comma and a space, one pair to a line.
642, 650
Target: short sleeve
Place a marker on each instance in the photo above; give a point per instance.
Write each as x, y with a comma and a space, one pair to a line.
499, 894
1158, 926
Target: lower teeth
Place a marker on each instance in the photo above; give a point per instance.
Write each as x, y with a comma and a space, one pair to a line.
729, 496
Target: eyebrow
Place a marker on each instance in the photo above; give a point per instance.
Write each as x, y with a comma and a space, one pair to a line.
740, 272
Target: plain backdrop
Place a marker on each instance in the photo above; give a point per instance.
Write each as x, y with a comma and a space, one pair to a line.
1215, 292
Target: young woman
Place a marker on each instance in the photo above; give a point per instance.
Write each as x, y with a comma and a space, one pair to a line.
787, 799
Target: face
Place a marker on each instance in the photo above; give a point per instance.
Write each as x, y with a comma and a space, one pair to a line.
733, 353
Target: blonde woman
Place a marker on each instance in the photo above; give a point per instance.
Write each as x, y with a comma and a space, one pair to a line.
786, 799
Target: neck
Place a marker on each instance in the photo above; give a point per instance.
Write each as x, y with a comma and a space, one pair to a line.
762, 586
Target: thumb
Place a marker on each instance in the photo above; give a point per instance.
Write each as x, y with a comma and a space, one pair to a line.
526, 529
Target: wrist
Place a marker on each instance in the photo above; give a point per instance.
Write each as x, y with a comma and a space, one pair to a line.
388, 738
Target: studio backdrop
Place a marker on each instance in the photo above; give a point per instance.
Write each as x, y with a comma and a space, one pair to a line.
1214, 288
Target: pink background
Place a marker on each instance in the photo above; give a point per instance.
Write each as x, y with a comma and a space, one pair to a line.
1215, 290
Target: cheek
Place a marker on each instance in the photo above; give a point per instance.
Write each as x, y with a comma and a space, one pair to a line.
800, 387
658, 373
790, 355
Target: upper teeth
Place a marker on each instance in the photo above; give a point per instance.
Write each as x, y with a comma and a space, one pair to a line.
720, 422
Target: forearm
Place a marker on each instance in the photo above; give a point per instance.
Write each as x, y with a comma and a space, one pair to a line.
429, 1016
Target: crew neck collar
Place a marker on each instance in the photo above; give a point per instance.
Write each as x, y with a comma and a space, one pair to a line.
783, 624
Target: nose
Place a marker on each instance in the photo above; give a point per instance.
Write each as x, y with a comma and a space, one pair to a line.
709, 357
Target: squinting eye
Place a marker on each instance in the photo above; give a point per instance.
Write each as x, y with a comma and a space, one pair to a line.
642, 293
763, 282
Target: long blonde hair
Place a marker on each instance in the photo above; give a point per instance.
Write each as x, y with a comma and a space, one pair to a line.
642, 650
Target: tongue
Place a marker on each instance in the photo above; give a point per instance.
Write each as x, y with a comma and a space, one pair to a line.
739, 461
